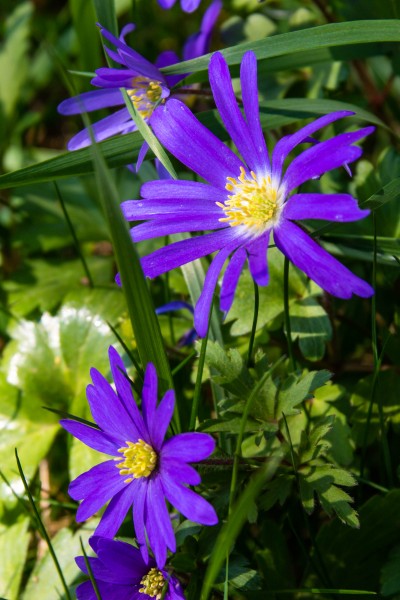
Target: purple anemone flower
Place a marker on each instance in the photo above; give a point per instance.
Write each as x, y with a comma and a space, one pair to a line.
186, 5
144, 82
145, 470
245, 199
121, 574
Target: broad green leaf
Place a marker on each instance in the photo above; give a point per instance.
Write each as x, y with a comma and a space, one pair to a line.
14, 540
106, 15
390, 574
311, 325
324, 36
379, 532
123, 150
13, 57
43, 582
84, 20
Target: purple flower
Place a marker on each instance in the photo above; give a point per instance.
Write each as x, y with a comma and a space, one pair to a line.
145, 469
186, 5
245, 199
144, 82
121, 574
190, 336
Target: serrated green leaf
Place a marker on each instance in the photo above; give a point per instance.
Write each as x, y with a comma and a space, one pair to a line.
297, 388
230, 369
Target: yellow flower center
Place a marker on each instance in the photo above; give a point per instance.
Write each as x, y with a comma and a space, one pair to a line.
153, 584
140, 460
252, 203
144, 94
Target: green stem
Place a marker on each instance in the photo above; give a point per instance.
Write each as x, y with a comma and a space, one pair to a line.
74, 237
90, 572
286, 314
183, 363
42, 529
197, 388
254, 326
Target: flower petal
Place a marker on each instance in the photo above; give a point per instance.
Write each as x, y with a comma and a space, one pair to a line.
193, 192
190, 504
158, 427
122, 384
318, 264
231, 278
323, 157
199, 43
232, 118
289, 142
258, 264
189, 5
189, 447
116, 511
122, 560
101, 130
136, 210
184, 251
92, 437
179, 471
329, 207
248, 80
158, 523
95, 488
193, 144
149, 394
89, 101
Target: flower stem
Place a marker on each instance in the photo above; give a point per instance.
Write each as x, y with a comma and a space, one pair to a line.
286, 314
254, 326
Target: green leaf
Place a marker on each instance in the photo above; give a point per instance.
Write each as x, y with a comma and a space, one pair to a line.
324, 36
43, 582
13, 57
84, 20
14, 541
390, 574
106, 15
297, 388
237, 519
311, 325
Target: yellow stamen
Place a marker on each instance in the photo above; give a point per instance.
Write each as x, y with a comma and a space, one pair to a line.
144, 94
140, 460
253, 203
153, 584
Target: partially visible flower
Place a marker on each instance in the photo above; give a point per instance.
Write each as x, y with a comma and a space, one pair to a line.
186, 5
144, 82
145, 469
245, 199
189, 337
121, 574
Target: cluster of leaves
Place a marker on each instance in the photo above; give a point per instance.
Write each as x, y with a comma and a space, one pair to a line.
292, 444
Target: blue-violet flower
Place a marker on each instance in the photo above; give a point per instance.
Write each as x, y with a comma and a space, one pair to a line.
144, 82
245, 199
186, 5
121, 574
145, 470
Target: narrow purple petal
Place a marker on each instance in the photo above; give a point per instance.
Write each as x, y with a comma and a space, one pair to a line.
184, 251
199, 43
96, 487
166, 3
136, 210
329, 207
182, 224
248, 80
289, 142
138, 516
189, 447
324, 157
149, 394
193, 144
122, 560
101, 130
94, 438
203, 305
108, 411
89, 101
121, 380
189, 5
231, 278
188, 191
190, 504
180, 471
85, 591
158, 427
258, 264
224, 96
167, 58
158, 523
318, 264
116, 511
